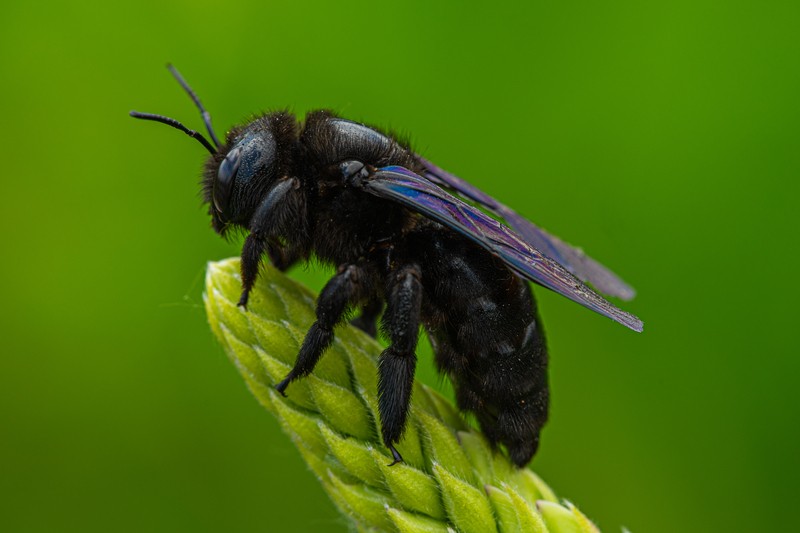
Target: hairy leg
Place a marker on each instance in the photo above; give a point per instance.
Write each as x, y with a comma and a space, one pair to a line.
280, 214
396, 364
346, 288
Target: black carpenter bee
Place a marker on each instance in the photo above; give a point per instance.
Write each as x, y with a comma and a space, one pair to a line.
363, 201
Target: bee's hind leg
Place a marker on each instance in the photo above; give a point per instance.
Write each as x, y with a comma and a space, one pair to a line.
367, 321
397, 362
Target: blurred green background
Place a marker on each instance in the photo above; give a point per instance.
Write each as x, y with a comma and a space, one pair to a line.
662, 137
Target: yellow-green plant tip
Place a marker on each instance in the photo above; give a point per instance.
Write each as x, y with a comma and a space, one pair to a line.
235, 320
314, 462
504, 510
413, 489
586, 525
298, 393
340, 502
414, 523
364, 372
452, 480
276, 340
262, 393
410, 444
443, 448
210, 306
479, 454
260, 304
300, 426
353, 455
445, 409
243, 355
533, 484
529, 518
467, 507
224, 275
368, 505
334, 367
296, 300
341, 408
558, 519
372, 407
422, 399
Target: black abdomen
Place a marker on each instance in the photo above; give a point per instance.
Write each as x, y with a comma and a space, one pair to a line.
487, 337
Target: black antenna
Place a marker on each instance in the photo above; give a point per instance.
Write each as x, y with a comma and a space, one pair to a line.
177, 125
205, 114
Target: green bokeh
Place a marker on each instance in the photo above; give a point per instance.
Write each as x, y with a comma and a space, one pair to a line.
661, 137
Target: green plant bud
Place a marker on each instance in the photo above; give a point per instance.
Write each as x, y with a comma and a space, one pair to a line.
507, 520
452, 479
558, 519
467, 506
413, 523
367, 505
443, 448
354, 456
414, 490
479, 455
529, 519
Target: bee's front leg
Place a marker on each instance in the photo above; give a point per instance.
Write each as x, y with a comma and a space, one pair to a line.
271, 219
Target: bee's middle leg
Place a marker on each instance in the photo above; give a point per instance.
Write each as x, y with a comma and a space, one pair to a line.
367, 321
349, 286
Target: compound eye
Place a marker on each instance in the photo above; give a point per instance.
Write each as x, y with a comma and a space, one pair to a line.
225, 175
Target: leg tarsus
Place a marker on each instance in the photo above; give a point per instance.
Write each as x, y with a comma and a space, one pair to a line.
396, 455
281, 387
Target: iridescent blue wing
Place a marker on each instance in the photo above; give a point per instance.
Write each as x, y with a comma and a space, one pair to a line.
573, 259
419, 194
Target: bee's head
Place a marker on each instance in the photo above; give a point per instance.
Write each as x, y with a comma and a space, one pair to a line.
240, 172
